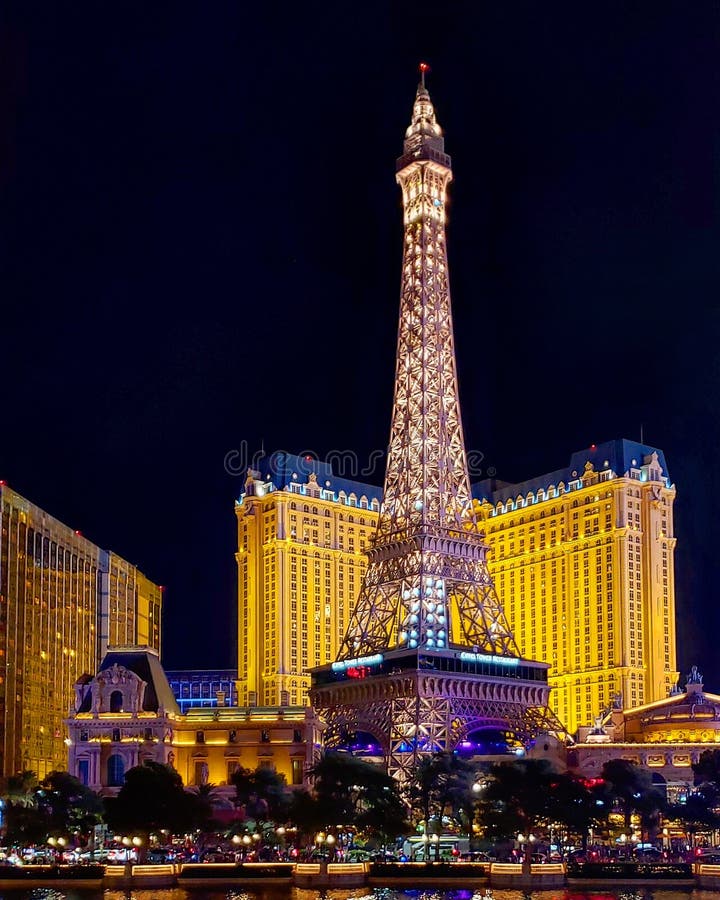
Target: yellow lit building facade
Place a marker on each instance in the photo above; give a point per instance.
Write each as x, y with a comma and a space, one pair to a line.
59, 610
583, 562
126, 714
302, 533
133, 609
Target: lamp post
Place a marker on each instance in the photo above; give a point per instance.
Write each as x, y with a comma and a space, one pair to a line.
435, 841
526, 842
330, 841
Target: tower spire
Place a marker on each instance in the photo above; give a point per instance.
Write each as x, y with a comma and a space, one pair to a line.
424, 67
427, 584
428, 657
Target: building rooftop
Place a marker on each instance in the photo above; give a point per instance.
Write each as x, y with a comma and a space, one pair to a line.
145, 663
284, 470
619, 456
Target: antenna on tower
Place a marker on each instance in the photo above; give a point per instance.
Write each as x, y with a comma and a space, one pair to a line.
424, 67
642, 439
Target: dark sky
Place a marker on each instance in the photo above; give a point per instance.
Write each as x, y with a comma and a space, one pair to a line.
200, 241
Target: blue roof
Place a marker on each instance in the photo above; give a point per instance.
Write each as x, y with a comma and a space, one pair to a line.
620, 455
285, 468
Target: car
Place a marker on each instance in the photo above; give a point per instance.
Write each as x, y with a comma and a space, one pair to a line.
649, 854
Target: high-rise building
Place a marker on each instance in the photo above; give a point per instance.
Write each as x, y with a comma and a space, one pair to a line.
63, 601
583, 561
566, 567
302, 535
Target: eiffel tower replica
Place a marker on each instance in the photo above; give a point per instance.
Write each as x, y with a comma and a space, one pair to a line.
428, 659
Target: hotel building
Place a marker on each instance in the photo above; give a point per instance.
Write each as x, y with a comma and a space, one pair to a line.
302, 533
582, 559
63, 601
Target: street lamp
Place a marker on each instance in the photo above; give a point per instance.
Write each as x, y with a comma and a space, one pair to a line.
523, 841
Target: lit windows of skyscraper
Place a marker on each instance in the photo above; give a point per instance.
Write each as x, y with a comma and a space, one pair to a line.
63, 600
583, 561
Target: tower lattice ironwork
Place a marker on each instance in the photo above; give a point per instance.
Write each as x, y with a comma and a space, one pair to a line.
427, 583
427, 600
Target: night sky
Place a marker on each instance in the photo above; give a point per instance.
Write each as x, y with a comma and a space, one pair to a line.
200, 245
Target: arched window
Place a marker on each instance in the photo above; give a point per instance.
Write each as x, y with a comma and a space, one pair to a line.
116, 702
115, 770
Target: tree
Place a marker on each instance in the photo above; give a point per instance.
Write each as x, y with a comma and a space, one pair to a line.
350, 791
152, 798
441, 785
68, 804
631, 788
263, 794
576, 805
696, 814
207, 795
346, 786
517, 797
19, 789
385, 817
306, 813
706, 773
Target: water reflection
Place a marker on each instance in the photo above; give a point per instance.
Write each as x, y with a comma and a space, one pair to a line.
279, 893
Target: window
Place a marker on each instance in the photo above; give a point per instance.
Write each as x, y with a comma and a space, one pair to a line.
297, 771
116, 735
115, 770
199, 738
116, 702
265, 737
84, 771
232, 737
297, 736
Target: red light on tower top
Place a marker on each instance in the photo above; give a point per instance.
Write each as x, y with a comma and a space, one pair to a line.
424, 67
